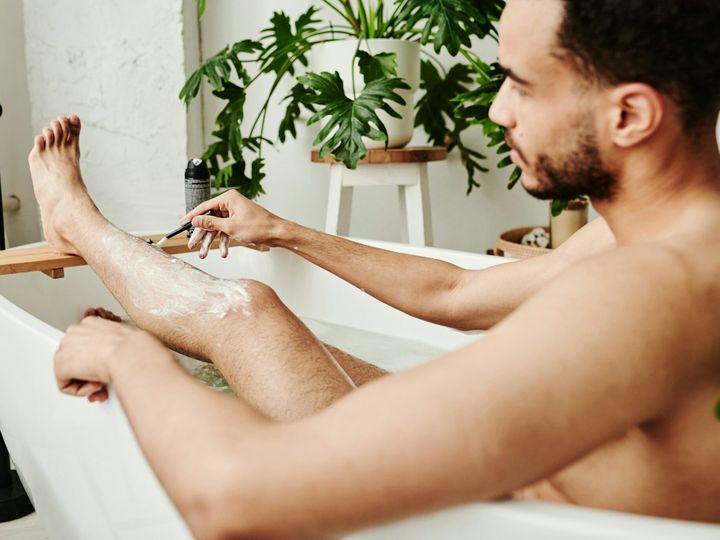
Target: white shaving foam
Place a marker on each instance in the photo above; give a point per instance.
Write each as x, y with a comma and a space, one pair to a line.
167, 287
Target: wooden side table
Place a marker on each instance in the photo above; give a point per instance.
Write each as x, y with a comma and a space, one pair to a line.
402, 167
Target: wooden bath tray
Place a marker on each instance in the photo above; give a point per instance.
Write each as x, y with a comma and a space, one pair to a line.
47, 260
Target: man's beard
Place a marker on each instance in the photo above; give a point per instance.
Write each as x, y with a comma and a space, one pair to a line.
579, 171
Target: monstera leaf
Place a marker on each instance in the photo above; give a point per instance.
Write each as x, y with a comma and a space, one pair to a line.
435, 109
218, 69
448, 23
379, 66
349, 120
283, 47
296, 99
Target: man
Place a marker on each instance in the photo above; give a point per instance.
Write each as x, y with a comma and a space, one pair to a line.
614, 99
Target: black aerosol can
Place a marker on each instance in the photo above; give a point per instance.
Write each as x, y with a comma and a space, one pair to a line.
197, 184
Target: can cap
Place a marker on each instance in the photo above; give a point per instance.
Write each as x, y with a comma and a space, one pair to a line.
196, 168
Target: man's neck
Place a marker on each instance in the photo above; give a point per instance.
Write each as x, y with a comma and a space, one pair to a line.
664, 192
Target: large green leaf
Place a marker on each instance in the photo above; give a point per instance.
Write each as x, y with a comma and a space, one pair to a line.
473, 107
434, 110
378, 66
283, 46
449, 23
230, 118
218, 69
557, 206
349, 120
296, 99
435, 113
226, 156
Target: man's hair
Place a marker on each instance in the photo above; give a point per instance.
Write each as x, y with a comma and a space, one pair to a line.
671, 45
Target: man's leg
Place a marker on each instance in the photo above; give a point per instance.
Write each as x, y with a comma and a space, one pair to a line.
360, 371
266, 353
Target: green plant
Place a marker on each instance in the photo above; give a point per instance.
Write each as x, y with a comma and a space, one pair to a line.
236, 156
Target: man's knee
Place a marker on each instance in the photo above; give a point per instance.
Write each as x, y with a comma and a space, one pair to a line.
259, 295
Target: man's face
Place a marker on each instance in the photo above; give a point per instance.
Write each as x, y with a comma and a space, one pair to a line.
547, 109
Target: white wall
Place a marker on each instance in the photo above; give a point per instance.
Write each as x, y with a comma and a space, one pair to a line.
22, 226
297, 189
118, 65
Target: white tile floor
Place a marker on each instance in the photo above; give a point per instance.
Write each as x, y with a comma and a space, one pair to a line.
27, 528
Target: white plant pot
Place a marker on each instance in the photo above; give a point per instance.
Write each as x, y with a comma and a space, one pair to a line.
338, 55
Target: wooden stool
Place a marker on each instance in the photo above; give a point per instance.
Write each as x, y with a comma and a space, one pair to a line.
402, 167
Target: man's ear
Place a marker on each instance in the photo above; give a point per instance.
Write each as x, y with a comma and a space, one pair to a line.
637, 111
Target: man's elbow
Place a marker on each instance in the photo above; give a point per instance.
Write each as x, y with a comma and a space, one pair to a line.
210, 517
222, 510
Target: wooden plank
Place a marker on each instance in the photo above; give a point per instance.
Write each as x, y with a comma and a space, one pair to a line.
55, 273
413, 154
47, 260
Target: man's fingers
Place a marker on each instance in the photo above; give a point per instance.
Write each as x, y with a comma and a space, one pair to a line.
100, 395
224, 243
211, 223
69, 386
91, 389
201, 208
109, 315
216, 203
207, 240
102, 313
88, 388
195, 237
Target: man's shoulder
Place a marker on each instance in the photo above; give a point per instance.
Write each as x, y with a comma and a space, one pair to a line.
637, 289
649, 266
654, 292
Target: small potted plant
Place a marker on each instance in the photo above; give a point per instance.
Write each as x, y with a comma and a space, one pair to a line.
366, 70
566, 218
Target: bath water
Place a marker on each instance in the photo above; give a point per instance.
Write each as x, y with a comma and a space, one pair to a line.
388, 352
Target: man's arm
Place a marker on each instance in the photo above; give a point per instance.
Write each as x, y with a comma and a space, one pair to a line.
472, 425
426, 288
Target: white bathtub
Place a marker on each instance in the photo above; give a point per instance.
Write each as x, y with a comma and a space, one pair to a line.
84, 469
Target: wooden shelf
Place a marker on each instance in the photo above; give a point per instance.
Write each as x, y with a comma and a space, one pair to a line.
414, 154
47, 260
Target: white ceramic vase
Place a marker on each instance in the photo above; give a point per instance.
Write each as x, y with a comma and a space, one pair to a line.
337, 56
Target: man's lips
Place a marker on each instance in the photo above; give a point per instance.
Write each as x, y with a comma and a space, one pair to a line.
515, 155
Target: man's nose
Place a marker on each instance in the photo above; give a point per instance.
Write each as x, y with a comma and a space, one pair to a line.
500, 111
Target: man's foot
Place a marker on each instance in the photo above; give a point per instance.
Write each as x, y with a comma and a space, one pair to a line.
57, 182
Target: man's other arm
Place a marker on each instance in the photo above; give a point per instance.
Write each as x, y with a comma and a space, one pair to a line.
426, 288
438, 291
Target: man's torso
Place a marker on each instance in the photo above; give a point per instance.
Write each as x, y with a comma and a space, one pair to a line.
669, 466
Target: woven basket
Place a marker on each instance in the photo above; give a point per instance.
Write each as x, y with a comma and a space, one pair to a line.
508, 244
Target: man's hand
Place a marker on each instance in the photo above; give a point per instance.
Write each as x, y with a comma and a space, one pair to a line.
235, 217
86, 357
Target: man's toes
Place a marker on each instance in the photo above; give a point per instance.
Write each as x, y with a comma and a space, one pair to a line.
58, 132
75, 125
65, 124
49, 137
39, 144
